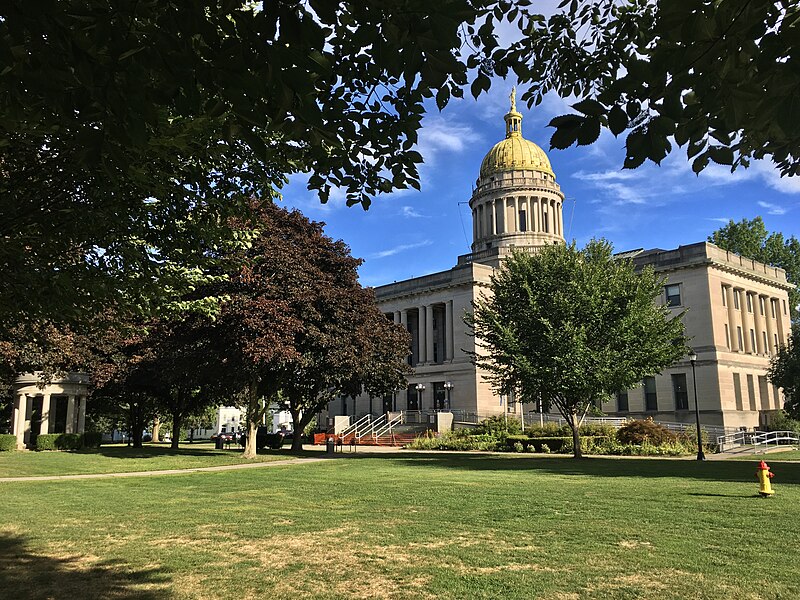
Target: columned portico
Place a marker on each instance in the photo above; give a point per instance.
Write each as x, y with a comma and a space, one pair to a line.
56, 407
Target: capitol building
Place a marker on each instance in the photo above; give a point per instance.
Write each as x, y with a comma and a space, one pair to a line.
736, 310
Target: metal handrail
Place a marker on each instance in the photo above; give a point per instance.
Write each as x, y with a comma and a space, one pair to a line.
388, 426
371, 429
767, 437
354, 427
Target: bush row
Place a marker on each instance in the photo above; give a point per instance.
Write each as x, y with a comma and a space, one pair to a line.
68, 441
8, 442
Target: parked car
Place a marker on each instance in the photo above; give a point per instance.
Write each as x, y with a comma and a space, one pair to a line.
229, 436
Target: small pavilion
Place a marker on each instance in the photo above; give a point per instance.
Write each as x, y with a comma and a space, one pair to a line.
56, 407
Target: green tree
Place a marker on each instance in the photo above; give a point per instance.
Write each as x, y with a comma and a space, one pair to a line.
751, 239
130, 131
784, 371
573, 326
720, 77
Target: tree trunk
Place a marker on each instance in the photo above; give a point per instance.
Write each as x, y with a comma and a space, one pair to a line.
253, 420
137, 425
297, 425
176, 431
156, 429
575, 423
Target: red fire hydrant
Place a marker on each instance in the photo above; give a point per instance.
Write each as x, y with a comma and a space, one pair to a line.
764, 475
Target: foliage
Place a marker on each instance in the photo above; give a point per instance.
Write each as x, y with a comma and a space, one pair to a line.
130, 131
784, 371
641, 431
8, 442
571, 326
498, 424
719, 77
752, 240
783, 422
59, 441
460, 440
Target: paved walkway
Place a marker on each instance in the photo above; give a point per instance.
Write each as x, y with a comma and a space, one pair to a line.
276, 463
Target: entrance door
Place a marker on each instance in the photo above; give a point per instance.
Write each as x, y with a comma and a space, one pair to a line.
36, 420
387, 403
413, 397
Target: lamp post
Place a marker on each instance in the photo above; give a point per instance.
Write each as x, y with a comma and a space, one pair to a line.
448, 385
700, 454
420, 389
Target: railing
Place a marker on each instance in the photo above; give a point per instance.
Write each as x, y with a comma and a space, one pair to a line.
763, 439
736, 439
370, 430
353, 428
387, 427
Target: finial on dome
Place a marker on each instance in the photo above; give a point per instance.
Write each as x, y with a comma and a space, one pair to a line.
513, 118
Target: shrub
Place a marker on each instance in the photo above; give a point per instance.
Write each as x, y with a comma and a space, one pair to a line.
46, 441
518, 447
498, 425
455, 440
639, 432
783, 422
92, 439
545, 449
272, 440
8, 442
548, 430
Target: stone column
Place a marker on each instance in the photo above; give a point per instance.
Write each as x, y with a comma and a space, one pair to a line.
732, 320
396, 317
422, 356
474, 225
70, 427
516, 214
779, 318
82, 415
770, 330
494, 217
429, 332
554, 218
448, 329
534, 201
545, 216
759, 320
748, 346
560, 212
20, 410
45, 428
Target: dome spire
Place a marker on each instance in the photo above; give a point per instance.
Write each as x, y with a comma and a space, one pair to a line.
513, 118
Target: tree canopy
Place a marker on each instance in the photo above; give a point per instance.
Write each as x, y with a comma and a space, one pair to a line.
751, 239
784, 371
572, 327
130, 131
719, 77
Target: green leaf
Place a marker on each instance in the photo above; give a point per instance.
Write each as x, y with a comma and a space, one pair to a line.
617, 120
590, 107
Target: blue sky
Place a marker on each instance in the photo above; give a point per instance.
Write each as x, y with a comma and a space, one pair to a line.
411, 233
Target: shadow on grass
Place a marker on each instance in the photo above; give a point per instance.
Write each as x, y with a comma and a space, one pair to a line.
738, 471
25, 575
156, 451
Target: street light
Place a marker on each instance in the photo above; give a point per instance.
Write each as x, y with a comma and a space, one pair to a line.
448, 385
420, 389
700, 455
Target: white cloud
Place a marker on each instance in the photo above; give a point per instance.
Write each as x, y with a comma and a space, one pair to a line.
609, 175
400, 248
410, 212
723, 220
772, 209
439, 134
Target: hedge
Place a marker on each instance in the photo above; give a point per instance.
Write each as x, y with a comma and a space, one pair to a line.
59, 441
92, 439
556, 444
8, 442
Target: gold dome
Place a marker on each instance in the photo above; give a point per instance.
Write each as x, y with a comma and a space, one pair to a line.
515, 152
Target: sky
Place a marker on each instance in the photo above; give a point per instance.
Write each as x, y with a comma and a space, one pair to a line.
412, 233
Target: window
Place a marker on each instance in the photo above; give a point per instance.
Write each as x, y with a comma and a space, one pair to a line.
523, 221
739, 337
749, 302
724, 296
772, 307
680, 392
736, 299
622, 401
761, 305
784, 306
764, 339
545, 222
727, 337
753, 344
776, 393
673, 294
650, 396
776, 342
737, 391
751, 392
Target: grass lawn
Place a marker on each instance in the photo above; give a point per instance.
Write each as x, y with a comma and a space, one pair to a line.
118, 458
410, 526
772, 456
